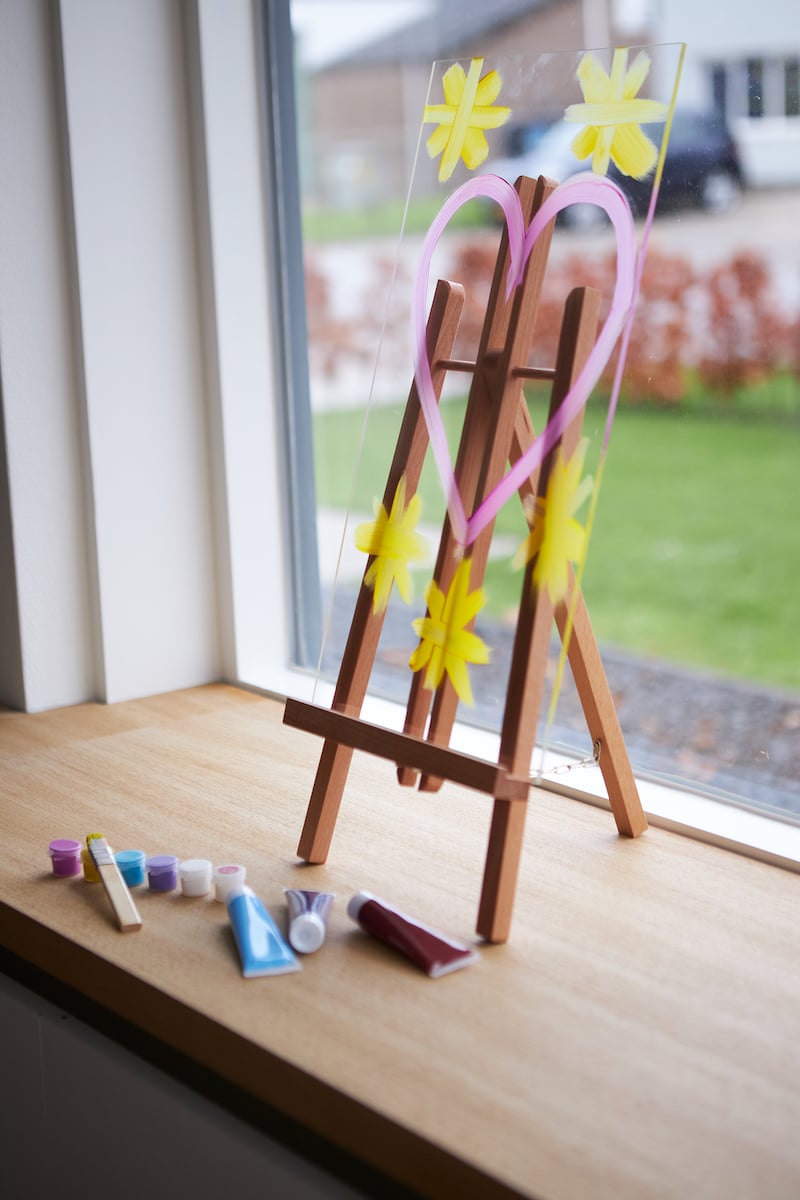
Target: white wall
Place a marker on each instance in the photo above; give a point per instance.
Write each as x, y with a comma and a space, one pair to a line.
144, 395
51, 651
734, 32
714, 32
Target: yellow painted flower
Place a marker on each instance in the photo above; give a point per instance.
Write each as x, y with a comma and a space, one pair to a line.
556, 538
468, 109
394, 542
612, 115
445, 642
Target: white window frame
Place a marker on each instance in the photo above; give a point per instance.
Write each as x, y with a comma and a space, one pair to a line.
141, 353
154, 552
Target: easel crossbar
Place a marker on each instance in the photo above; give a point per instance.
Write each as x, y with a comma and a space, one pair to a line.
406, 750
469, 368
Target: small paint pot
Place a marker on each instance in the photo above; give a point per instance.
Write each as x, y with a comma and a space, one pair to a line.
195, 876
65, 856
227, 876
90, 872
162, 873
131, 866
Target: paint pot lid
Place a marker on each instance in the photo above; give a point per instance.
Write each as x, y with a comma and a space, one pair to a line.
230, 870
226, 876
307, 932
195, 868
60, 847
159, 864
128, 858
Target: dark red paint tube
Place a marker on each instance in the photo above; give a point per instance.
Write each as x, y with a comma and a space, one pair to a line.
434, 952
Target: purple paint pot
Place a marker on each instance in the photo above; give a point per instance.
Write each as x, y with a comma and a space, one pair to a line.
65, 857
162, 873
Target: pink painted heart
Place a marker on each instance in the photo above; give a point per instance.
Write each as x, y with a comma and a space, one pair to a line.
581, 189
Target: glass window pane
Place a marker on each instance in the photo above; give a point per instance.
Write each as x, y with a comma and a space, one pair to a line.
719, 88
792, 87
755, 87
693, 568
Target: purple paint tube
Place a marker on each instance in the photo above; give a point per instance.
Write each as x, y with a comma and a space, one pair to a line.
308, 918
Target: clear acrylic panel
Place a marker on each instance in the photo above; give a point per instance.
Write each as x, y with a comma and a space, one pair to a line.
618, 126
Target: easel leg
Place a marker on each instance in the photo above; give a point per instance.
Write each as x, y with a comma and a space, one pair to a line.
366, 626
529, 657
326, 797
523, 704
484, 448
501, 869
526, 681
602, 720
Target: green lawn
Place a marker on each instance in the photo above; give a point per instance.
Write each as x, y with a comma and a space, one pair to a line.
695, 556
385, 220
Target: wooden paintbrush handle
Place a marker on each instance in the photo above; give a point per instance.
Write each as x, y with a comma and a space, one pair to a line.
117, 891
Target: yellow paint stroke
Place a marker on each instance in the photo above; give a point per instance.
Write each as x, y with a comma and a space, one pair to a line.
393, 541
612, 113
468, 109
556, 538
446, 645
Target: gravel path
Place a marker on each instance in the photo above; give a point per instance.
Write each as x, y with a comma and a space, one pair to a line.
716, 734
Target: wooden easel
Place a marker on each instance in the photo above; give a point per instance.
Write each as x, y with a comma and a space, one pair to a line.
497, 430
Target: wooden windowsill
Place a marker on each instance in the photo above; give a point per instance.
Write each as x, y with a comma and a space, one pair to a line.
638, 1035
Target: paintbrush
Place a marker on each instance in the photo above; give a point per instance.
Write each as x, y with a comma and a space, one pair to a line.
111, 878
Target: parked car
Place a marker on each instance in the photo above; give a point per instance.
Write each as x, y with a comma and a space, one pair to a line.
524, 136
702, 168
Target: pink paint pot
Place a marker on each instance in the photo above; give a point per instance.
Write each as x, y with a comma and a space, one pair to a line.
227, 876
65, 857
162, 873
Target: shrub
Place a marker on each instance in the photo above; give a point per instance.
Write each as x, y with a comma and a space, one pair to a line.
722, 327
717, 329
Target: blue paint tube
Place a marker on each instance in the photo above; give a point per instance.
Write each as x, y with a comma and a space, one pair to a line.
261, 946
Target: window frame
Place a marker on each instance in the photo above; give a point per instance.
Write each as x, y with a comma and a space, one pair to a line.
126, 552
59, 531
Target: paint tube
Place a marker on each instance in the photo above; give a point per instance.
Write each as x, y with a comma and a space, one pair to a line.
261, 946
434, 952
308, 918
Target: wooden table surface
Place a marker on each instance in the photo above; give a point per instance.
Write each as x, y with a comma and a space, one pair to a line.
639, 1036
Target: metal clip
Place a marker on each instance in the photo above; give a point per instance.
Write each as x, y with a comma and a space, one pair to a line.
597, 746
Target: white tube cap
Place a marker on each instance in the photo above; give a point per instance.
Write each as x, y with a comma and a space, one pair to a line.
355, 903
307, 932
